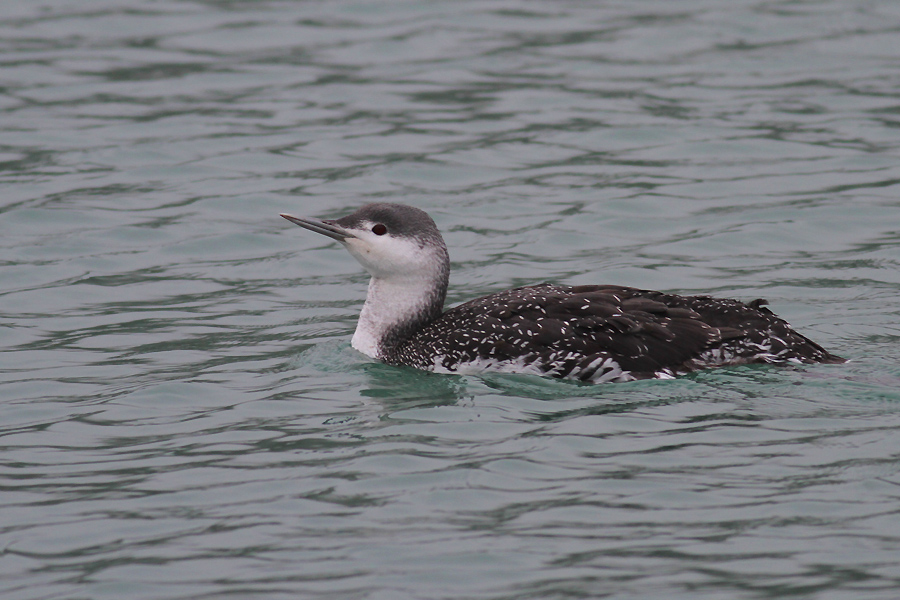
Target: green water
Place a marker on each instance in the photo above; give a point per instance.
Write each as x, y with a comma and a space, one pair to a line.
182, 416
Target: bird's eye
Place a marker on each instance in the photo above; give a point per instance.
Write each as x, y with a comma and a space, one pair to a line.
379, 229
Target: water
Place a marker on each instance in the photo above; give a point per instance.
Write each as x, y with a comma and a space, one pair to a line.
182, 415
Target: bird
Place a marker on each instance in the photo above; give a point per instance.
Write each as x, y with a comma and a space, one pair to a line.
587, 333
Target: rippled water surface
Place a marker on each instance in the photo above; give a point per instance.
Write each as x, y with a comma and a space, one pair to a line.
182, 416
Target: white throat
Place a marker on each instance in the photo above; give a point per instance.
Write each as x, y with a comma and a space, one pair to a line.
398, 304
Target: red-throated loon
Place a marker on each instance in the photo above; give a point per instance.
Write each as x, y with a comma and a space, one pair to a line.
593, 333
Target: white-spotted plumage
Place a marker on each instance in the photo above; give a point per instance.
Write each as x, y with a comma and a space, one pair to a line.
595, 333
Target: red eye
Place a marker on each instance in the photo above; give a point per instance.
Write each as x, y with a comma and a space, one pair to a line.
379, 229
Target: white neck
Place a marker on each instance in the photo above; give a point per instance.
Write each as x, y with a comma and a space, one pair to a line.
391, 305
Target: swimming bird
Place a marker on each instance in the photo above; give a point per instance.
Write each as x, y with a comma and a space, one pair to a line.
592, 333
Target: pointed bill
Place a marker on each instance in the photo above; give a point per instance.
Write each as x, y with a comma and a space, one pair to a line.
330, 229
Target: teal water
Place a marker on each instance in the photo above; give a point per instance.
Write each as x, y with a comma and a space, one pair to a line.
181, 415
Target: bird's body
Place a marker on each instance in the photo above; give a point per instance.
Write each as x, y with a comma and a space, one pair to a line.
594, 333
601, 333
